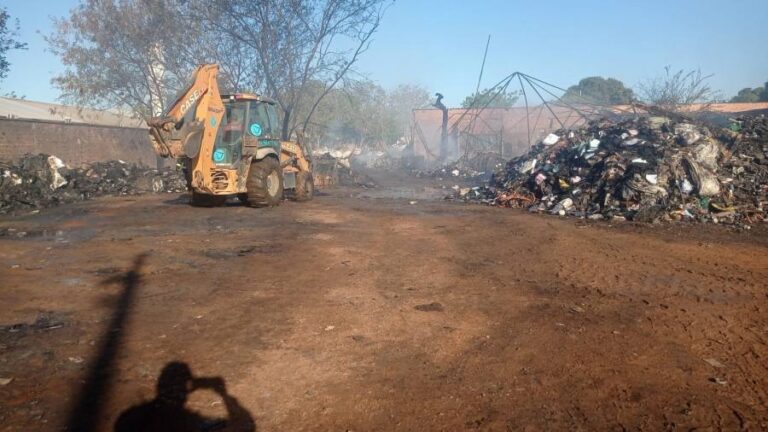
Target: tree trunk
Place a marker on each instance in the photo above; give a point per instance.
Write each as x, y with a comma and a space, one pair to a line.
156, 90
285, 135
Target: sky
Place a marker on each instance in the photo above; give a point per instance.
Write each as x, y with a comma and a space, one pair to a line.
439, 44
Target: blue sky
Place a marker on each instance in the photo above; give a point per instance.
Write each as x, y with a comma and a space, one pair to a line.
439, 44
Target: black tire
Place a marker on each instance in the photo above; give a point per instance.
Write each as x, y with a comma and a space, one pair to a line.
243, 197
205, 200
265, 183
305, 186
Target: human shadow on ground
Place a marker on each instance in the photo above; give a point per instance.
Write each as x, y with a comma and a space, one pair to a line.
87, 409
164, 413
167, 411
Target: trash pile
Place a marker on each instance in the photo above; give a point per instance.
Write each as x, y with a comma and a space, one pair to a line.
388, 159
476, 167
643, 169
329, 170
40, 181
448, 171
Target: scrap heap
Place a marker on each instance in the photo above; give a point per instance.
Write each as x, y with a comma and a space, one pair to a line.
478, 167
644, 169
39, 181
332, 171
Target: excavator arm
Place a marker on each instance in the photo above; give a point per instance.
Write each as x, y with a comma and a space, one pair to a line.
188, 127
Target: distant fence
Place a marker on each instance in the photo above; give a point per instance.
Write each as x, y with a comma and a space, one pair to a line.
75, 143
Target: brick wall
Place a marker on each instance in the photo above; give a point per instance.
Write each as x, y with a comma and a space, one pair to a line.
75, 143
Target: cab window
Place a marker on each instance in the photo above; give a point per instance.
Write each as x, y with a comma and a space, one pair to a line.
273, 118
261, 122
230, 136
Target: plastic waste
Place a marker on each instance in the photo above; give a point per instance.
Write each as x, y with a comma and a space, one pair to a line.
688, 132
686, 187
58, 180
550, 139
706, 154
562, 207
631, 142
527, 166
704, 180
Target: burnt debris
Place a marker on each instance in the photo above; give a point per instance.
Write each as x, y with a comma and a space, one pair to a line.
643, 169
41, 181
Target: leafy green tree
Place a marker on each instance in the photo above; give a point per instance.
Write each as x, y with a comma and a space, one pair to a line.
757, 94
749, 95
599, 90
8, 41
491, 98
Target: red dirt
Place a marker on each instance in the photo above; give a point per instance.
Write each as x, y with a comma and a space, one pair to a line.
347, 313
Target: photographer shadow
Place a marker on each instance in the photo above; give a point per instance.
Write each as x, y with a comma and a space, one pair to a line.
167, 411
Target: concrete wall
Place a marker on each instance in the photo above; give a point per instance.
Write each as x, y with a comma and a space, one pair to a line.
75, 143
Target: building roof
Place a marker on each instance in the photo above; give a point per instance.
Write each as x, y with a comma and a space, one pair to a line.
31, 110
726, 107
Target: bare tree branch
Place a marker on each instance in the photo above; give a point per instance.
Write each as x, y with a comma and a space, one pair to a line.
678, 91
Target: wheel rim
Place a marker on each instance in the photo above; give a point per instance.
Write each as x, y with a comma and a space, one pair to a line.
273, 183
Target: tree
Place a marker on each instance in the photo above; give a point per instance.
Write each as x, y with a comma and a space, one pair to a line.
757, 94
673, 90
8, 41
599, 90
140, 53
364, 119
364, 114
749, 95
401, 101
493, 98
299, 43
126, 53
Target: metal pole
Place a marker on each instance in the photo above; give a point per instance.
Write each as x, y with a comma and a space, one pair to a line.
527, 115
482, 68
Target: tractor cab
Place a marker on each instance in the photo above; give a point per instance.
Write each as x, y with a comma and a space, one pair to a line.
249, 122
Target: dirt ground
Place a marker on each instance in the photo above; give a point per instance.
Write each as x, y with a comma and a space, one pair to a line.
360, 311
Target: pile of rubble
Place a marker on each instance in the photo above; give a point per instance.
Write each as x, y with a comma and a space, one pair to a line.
478, 167
40, 181
329, 170
643, 169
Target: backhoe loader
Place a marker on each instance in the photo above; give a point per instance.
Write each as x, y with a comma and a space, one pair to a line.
229, 145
